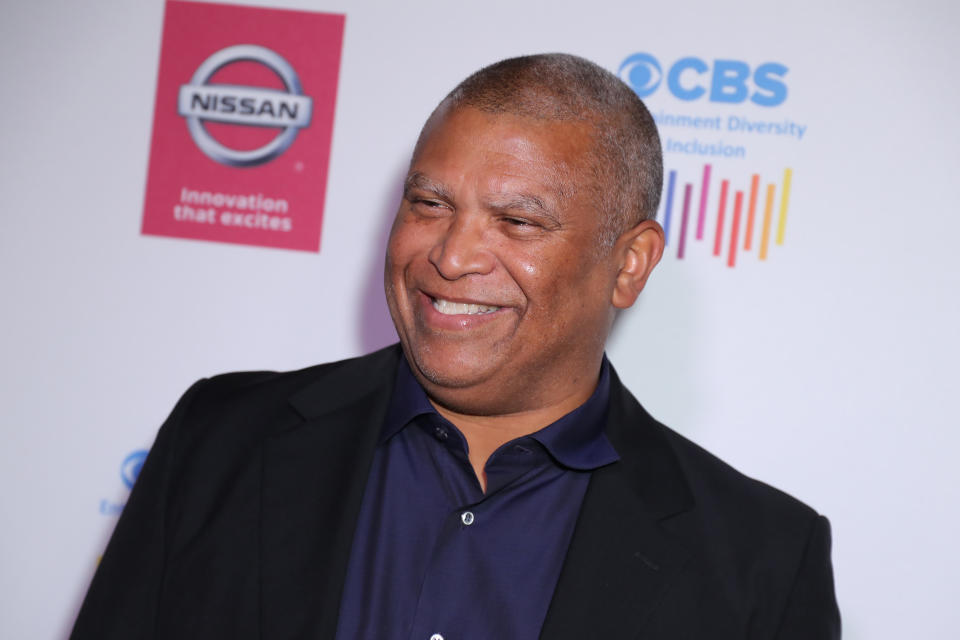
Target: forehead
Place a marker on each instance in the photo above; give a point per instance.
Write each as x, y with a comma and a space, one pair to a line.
501, 147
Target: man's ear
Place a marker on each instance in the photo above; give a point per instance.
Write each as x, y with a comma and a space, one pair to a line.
639, 250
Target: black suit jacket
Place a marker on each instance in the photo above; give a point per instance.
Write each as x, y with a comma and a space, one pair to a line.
240, 526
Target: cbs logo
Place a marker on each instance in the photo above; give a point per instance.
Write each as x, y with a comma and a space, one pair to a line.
691, 78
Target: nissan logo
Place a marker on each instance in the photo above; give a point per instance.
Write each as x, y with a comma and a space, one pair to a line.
200, 101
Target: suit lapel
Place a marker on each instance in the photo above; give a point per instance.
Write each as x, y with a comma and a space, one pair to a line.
620, 560
313, 482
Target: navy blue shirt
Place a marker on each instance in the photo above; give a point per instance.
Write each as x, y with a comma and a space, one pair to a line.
434, 556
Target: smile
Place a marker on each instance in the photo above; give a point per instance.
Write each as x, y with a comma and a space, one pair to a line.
449, 308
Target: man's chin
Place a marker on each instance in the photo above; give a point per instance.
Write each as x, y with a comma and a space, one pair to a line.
448, 367
446, 375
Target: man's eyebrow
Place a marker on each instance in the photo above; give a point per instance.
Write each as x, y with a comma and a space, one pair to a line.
527, 202
417, 180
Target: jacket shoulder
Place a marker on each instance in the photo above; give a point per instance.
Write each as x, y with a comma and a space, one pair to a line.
210, 450
329, 383
249, 386
767, 552
232, 412
759, 559
733, 497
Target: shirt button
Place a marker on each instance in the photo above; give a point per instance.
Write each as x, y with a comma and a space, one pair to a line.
467, 518
436, 636
441, 434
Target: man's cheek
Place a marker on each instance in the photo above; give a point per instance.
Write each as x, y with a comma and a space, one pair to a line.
402, 245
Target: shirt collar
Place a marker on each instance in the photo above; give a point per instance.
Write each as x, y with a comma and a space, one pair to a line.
577, 440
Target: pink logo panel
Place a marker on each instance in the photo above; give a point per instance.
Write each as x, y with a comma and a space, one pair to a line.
242, 125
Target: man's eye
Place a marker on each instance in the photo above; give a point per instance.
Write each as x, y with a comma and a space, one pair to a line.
425, 205
517, 222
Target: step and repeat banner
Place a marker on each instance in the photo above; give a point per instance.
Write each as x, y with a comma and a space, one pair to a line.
193, 188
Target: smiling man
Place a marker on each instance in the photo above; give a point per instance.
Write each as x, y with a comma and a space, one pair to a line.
499, 279
489, 478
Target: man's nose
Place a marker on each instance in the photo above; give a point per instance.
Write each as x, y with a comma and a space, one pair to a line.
462, 249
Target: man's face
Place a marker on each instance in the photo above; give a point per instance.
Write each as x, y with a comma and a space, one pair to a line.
494, 278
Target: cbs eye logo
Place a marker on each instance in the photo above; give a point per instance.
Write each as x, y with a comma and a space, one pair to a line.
131, 466
690, 78
642, 73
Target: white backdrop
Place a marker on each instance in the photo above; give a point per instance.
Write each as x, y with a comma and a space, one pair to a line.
825, 370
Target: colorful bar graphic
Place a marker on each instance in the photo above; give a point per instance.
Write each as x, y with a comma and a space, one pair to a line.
687, 190
737, 205
758, 225
668, 208
767, 216
718, 236
784, 201
704, 188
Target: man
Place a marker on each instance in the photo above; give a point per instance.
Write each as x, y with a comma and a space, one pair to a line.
491, 477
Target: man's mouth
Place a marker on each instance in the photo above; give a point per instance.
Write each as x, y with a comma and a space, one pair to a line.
448, 308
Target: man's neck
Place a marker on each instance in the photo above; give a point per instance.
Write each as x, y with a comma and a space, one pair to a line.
485, 434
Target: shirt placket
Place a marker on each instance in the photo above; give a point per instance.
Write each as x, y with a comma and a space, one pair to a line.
456, 552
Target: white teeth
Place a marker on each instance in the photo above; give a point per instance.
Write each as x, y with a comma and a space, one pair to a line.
461, 308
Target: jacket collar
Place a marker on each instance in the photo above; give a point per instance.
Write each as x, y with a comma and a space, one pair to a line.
346, 382
621, 560
313, 479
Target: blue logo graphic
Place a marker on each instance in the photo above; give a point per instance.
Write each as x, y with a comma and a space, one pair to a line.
691, 78
131, 467
642, 72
